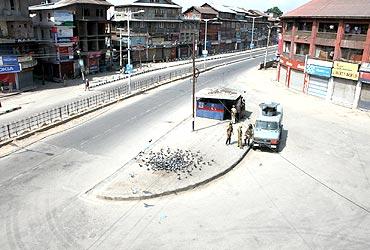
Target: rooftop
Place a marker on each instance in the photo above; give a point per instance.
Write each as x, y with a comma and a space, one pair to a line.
219, 93
169, 4
332, 9
64, 3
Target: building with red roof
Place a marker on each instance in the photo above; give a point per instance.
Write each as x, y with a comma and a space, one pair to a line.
326, 51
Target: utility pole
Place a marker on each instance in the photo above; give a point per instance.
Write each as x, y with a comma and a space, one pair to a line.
194, 79
267, 46
120, 50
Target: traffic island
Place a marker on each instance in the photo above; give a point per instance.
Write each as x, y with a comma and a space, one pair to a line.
179, 161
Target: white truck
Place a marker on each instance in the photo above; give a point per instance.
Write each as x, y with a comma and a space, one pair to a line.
268, 126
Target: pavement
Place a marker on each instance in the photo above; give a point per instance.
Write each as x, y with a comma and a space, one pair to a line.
141, 178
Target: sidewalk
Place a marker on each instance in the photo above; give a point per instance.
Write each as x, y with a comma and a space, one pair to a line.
197, 155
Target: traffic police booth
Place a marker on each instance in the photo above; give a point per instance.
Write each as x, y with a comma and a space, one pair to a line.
216, 103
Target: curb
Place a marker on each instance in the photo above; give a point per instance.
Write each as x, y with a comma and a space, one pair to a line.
183, 189
9, 110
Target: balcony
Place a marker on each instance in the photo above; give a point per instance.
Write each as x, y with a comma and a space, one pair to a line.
355, 37
303, 36
327, 35
300, 58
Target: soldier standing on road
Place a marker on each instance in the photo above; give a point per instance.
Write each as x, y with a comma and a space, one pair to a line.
229, 132
240, 136
233, 114
65, 80
248, 135
87, 84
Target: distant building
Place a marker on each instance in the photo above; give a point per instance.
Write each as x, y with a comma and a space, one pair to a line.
73, 35
16, 45
326, 51
155, 33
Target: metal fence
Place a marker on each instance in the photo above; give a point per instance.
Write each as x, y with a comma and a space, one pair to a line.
62, 113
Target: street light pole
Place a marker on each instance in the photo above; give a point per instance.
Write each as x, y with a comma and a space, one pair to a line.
120, 50
194, 78
128, 15
267, 46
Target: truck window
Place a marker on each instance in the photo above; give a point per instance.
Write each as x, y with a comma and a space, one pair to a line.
267, 125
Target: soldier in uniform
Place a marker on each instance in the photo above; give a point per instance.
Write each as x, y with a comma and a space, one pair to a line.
233, 114
248, 135
229, 132
240, 136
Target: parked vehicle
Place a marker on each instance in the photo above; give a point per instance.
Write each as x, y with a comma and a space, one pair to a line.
268, 126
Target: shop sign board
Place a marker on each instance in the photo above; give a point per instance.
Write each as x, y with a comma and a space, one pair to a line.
365, 67
294, 64
345, 70
10, 69
8, 60
317, 70
63, 18
365, 77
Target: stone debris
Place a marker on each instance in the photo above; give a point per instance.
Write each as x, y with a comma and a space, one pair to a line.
180, 162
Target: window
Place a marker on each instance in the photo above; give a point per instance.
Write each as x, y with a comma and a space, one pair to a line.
302, 49
141, 24
101, 12
324, 52
42, 34
11, 4
328, 27
351, 28
25, 26
305, 26
40, 17
161, 25
267, 125
352, 54
49, 17
289, 26
97, 12
286, 47
86, 12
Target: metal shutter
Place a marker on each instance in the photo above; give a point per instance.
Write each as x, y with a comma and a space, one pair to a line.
318, 86
283, 71
296, 80
344, 92
364, 102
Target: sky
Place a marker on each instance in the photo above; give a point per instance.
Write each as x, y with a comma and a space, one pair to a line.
263, 5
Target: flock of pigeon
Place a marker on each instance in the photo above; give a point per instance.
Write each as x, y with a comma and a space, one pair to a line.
180, 162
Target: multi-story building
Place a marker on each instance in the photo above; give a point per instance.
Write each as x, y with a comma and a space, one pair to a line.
230, 28
326, 51
73, 37
16, 45
189, 31
155, 33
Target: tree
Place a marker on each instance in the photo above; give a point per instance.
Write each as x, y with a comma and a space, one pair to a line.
276, 11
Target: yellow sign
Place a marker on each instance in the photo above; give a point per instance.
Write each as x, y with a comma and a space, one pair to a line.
345, 70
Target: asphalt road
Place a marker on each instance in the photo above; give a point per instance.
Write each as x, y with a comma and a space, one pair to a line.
33, 107
42, 205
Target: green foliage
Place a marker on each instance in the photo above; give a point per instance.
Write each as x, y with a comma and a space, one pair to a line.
275, 10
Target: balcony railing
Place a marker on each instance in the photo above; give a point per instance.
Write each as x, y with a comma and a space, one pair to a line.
303, 34
326, 35
356, 37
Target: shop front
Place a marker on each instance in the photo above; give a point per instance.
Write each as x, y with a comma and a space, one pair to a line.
364, 98
319, 76
291, 73
93, 59
345, 78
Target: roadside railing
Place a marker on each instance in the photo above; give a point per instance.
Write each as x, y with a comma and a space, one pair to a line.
65, 112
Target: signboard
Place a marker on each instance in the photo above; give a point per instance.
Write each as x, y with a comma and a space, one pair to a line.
365, 77
345, 70
292, 63
204, 52
365, 67
63, 18
64, 34
10, 69
318, 70
23, 59
8, 60
137, 41
320, 63
129, 68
